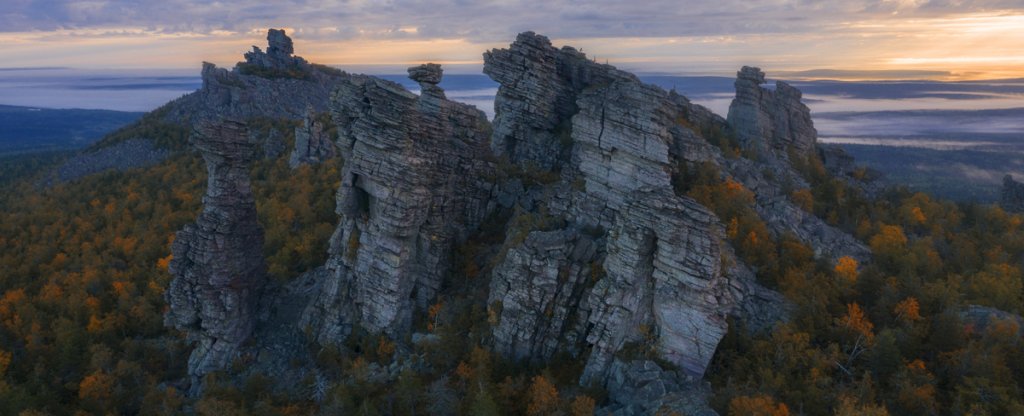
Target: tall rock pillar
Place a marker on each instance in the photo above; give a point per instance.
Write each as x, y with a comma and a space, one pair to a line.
218, 264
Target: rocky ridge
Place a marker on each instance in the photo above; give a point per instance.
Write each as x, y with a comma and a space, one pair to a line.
603, 258
566, 290
273, 84
129, 154
217, 263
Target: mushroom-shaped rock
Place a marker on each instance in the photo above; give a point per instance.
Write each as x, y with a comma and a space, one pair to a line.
428, 75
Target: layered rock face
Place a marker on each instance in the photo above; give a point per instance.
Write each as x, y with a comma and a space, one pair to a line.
278, 55
772, 122
628, 136
537, 97
649, 272
313, 142
428, 76
538, 291
274, 84
218, 264
770, 118
665, 284
412, 184
1012, 195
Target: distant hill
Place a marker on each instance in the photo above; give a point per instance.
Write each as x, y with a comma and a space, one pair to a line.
27, 129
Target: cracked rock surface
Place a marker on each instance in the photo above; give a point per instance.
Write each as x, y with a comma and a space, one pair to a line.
218, 264
413, 184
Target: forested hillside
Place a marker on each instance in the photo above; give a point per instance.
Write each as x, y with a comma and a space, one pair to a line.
84, 269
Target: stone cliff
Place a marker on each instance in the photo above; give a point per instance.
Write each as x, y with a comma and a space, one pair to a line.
412, 185
537, 97
218, 264
274, 84
770, 118
636, 265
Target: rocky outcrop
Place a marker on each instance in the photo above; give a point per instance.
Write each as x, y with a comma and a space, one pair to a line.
413, 184
628, 136
603, 259
1012, 195
766, 180
274, 84
644, 387
536, 99
537, 291
122, 156
218, 264
773, 124
658, 282
665, 285
279, 53
770, 118
979, 318
428, 76
314, 142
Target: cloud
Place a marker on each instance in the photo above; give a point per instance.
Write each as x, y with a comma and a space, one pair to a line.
655, 35
483, 20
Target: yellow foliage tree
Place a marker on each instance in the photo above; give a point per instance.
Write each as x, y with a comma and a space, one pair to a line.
846, 268
582, 406
5, 361
849, 407
856, 322
908, 310
542, 397
890, 239
759, 405
804, 199
96, 386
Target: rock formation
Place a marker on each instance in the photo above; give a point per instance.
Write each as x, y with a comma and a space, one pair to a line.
1012, 195
412, 184
279, 53
428, 76
653, 273
313, 141
274, 84
603, 258
980, 318
770, 118
537, 97
665, 285
218, 264
537, 291
774, 124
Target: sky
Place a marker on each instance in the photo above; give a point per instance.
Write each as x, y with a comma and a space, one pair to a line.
853, 39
